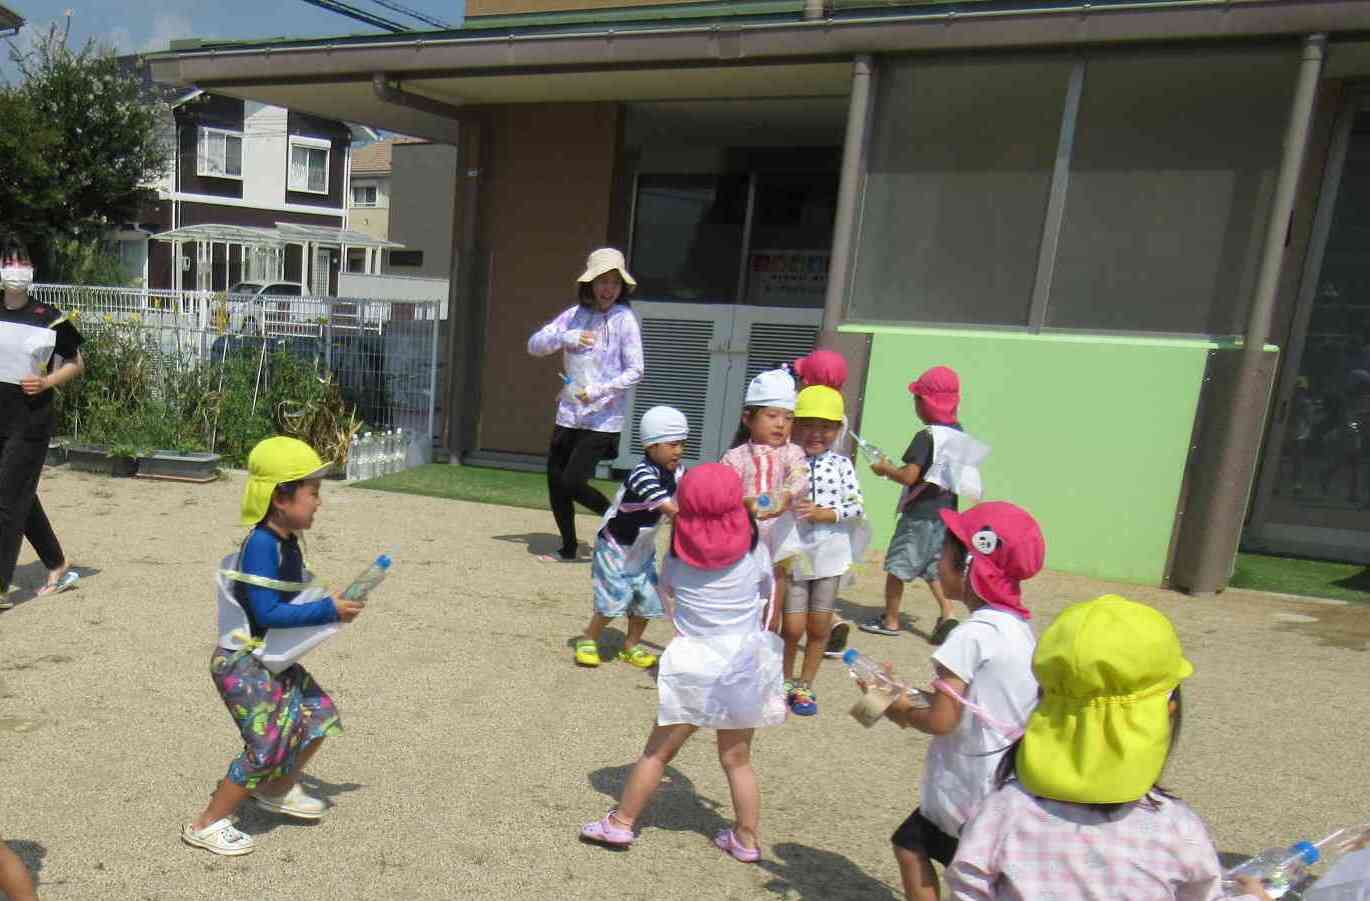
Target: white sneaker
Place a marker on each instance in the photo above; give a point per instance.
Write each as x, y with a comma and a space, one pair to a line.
294, 803
219, 837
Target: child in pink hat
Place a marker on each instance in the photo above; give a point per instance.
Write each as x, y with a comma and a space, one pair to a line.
984, 689
917, 540
723, 669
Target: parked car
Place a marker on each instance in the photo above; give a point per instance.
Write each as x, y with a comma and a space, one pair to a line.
248, 304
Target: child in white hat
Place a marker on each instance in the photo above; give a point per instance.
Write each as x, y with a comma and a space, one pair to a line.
624, 568
773, 468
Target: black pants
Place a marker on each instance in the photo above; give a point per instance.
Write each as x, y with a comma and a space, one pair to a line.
21, 515
571, 462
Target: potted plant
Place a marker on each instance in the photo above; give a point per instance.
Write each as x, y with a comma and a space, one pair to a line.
123, 460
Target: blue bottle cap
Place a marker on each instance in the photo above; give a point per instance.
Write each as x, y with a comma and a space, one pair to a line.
383, 561
1307, 852
850, 656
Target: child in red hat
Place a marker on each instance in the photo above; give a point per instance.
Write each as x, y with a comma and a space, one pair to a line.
984, 689
917, 539
723, 669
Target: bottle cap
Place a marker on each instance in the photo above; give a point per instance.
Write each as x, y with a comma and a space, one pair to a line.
383, 561
1307, 852
849, 657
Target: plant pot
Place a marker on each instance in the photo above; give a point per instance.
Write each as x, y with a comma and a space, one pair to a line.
180, 466
57, 452
93, 458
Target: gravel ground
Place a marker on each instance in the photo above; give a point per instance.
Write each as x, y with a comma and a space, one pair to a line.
474, 748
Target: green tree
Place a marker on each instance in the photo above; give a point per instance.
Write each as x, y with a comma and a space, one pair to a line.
80, 144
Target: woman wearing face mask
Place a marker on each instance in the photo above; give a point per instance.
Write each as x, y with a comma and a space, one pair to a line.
39, 351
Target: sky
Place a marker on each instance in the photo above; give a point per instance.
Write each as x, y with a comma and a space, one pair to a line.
135, 26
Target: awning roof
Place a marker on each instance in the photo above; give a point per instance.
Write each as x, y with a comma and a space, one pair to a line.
750, 49
9, 19
284, 233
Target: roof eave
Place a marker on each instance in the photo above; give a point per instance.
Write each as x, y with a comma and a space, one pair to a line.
770, 39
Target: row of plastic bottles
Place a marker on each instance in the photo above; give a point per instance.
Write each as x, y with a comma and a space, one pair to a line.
369, 456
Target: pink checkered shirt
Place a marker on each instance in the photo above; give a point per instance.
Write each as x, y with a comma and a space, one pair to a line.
770, 469
1018, 847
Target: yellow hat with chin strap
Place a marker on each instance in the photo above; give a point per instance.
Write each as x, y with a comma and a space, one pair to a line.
271, 463
1101, 732
820, 402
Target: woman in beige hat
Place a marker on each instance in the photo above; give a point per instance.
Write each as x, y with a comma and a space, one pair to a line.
601, 348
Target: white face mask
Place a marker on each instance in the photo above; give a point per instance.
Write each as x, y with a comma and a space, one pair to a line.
16, 278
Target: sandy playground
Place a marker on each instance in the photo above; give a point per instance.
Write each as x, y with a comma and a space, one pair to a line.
474, 748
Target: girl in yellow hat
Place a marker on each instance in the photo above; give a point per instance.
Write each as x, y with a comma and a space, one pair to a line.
1079, 813
827, 533
282, 713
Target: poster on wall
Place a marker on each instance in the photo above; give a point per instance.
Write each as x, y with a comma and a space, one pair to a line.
787, 278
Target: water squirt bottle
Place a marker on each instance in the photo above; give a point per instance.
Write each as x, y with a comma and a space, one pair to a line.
1278, 869
865, 669
368, 451
363, 584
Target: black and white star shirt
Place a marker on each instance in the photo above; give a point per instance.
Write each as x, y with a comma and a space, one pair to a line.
22, 414
832, 484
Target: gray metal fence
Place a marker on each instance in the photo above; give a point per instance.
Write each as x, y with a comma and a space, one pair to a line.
383, 354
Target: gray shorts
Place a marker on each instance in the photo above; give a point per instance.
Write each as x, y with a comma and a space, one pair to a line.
915, 549
811, 596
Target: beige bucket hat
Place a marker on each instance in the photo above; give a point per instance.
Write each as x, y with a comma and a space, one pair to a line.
606, 259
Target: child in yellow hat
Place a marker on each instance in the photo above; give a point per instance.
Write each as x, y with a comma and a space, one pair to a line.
1079, 813
827, 532
282, 713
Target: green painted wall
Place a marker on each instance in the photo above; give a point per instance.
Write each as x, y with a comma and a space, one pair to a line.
1090, 434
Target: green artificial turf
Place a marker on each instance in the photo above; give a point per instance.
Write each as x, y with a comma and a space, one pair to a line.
505, 487
1310, 578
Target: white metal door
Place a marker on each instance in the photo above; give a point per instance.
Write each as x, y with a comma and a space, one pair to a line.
318, 273
699, 359
681, 344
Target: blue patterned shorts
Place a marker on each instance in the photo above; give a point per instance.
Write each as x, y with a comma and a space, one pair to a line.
618, 592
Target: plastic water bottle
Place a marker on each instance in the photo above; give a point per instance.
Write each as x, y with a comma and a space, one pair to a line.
368, 458
764, 502
866, 670
388, 453
399, 453
873, 453
363, 584
353, 463
1283, 869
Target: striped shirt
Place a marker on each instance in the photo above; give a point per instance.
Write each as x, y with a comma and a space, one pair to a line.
646, 488
1019, 847
770, 470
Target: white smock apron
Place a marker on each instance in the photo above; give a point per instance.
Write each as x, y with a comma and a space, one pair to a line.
820, 550
723, 669
956, 459
281, 648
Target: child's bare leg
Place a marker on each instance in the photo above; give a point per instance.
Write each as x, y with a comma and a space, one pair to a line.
735, 754
894, 596
278, 787
818, 626
920, 879
661, 748
225, 800
792, 630
943, 605
597, 624
781, 579
15, 880
636, 626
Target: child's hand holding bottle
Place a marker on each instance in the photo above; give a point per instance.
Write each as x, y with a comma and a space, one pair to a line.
347, 610
808, 511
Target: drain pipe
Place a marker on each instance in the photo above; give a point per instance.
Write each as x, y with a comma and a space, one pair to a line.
1230, 488
854, 150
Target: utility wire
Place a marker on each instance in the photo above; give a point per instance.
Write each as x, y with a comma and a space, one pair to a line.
361, 15
412, 13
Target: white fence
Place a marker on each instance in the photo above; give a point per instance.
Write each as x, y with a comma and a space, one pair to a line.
382, 353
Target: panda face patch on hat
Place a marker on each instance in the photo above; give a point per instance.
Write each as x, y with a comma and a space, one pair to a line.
985, 541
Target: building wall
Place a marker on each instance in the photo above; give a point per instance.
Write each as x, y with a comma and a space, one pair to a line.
372, 220
265, 153
423, 181
550, 181
1089, 434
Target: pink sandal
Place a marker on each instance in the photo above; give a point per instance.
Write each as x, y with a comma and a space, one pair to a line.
727, 841
607, 832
